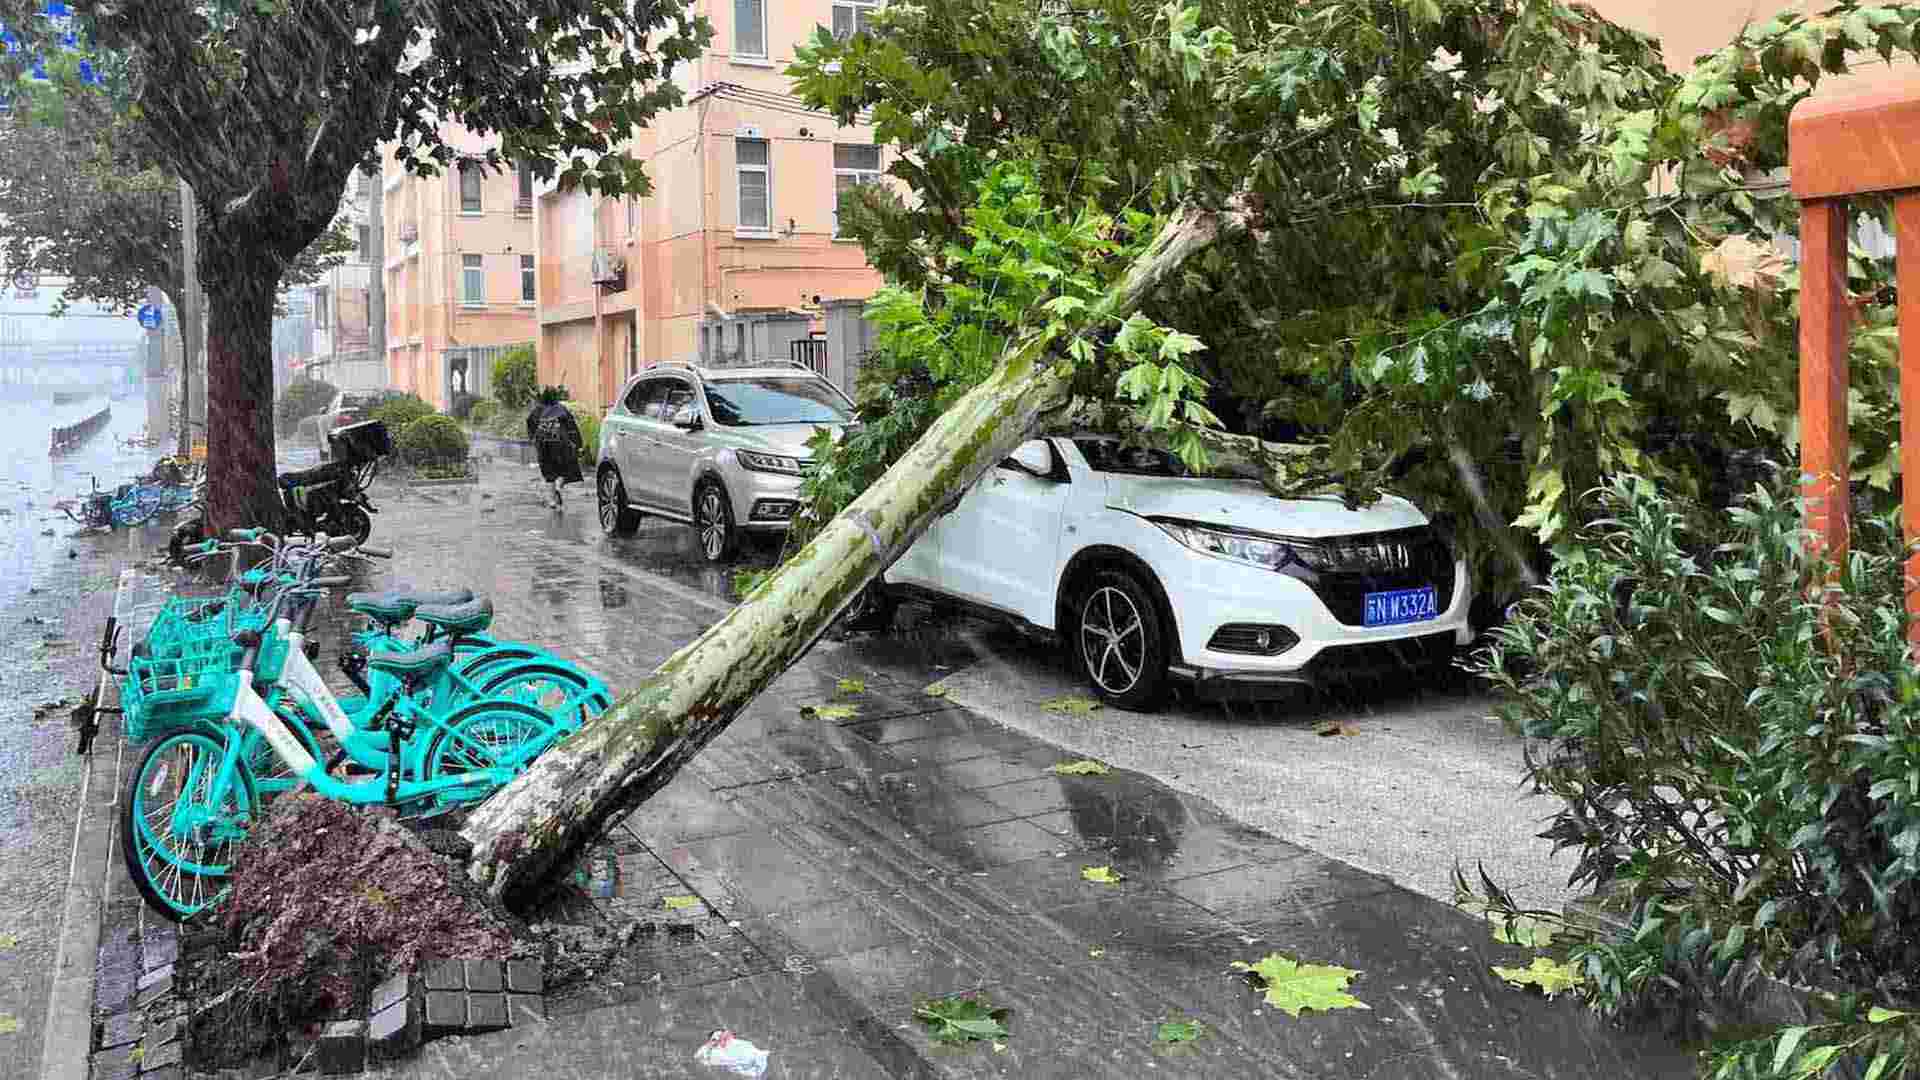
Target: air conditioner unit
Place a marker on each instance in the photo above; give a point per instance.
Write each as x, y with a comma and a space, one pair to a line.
409, 233
608, 268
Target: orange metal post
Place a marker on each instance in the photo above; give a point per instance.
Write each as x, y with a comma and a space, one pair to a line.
1906, 226
1823, 373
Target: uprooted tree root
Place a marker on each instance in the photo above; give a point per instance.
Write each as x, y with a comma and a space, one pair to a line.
327, 900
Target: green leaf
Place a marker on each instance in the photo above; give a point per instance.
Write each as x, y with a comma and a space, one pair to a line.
1789, 1042
1291, 986
832, 712
1880, 1015
963, 1018
1524, 931
1083, 767
1551, 976
679, 903
1177, 1031
939, 689
1879, 1067
1070, 706
1816, 1060
852, 686
1101, 875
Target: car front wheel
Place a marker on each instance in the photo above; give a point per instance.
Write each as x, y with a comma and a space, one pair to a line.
1119, 641
713, 522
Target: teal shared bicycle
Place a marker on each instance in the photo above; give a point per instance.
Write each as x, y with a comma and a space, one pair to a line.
194, 794
306, 705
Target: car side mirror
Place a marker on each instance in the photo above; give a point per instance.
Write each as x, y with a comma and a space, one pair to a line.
686, 418
1034, 457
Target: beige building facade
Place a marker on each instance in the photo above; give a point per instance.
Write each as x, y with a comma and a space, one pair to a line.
459, 265
738, 233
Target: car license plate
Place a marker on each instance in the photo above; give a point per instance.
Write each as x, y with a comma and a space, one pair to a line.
1399, 606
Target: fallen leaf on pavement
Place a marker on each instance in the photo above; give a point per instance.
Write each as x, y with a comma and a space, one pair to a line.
962, 1019
9, 1023
1101, 875
1096, 953
1550, 975
938, 689
1335, 727
1083, 767
1075, 706
1292, 986
8, 941
831, 712
1177, 1031
680, 903
853, 686
1523, 930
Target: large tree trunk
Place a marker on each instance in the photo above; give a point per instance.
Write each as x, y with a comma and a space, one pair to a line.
577, 789
241, 487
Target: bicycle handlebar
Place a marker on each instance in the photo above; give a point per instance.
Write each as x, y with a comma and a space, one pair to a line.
342, 543
378, 553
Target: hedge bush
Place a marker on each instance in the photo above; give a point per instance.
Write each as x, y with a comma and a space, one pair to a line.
1740, 760
589, 421
302, 398
433, 440
483, 410
399, 411
516, 377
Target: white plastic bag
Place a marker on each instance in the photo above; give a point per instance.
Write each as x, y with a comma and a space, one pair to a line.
725, 1050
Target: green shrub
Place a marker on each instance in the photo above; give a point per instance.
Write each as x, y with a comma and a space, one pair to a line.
1743, 765
302, 398
483, 410
589, 421
400, 410
516, 377
432, 441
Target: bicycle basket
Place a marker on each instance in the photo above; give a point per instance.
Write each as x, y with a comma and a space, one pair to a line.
165, 693
183, 623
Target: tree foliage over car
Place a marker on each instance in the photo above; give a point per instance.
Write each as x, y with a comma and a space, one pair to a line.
1501, 235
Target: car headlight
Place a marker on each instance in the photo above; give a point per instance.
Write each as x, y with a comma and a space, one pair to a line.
770, 463
1250, 548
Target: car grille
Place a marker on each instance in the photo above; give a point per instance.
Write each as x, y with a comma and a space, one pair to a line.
1350, 567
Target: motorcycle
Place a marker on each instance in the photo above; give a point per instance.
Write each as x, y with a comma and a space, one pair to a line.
329, 498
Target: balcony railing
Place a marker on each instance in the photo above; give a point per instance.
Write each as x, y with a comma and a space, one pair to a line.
523, 207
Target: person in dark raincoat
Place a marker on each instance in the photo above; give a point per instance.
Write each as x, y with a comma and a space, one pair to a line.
556, 437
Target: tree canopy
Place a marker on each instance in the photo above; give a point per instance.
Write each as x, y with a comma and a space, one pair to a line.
1503, 235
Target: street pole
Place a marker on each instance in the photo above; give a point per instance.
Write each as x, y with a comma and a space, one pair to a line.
156, 371
190, 360
377, 272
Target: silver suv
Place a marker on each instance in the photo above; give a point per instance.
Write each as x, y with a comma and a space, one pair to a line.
722, 449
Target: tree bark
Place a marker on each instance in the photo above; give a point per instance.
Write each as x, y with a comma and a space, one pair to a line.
617, 760
242, 490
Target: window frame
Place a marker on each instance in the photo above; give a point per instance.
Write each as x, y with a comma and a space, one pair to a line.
871, 176
529, 280
857, 8
523, 188
766, 51
320, 321
478, 266
473, 168
739, 191
363, 242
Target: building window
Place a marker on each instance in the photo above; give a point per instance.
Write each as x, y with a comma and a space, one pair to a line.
320, 309
756, 198
473, 281
523, 194
363, 240
852, 17
633, 206
527, 281
469, 187
750, 28
852, 166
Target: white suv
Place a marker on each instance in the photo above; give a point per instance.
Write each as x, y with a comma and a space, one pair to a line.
1147, 573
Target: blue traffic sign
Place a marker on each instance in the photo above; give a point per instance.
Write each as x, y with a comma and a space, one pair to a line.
149, 316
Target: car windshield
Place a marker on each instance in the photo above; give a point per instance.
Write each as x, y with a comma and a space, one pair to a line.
774, 399
1112, 456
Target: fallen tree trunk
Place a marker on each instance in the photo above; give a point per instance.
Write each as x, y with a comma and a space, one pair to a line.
617, 760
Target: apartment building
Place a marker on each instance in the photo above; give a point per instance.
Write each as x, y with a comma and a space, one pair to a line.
735, 254
459, 265
334, 340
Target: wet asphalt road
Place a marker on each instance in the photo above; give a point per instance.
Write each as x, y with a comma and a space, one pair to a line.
49, 584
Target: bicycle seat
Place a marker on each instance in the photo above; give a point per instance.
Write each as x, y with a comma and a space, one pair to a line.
397, 605
413, 662
470, 617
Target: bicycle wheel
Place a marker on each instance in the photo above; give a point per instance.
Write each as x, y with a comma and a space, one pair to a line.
484, 735
484, 663
176, 833
570, 697
271, 775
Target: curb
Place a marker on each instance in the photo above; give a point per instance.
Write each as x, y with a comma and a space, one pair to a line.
65, 1054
